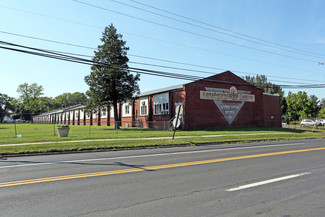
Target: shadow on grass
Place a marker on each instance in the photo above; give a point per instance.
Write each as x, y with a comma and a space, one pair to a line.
251, 129
131, 129
233, 129
3, 128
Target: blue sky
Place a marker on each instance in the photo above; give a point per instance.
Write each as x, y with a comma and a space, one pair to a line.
291, 23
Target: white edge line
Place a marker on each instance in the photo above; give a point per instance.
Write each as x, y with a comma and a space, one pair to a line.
143, 156
267, 182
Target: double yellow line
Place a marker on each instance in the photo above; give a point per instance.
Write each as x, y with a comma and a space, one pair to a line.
149, 168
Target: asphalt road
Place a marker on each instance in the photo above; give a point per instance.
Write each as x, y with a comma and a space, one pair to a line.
257, 179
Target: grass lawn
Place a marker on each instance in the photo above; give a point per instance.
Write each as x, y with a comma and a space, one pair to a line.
45, 133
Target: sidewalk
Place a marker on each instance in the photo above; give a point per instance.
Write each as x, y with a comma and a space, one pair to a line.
132, 139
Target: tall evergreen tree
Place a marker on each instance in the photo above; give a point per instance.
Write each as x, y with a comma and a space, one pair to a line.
110, 82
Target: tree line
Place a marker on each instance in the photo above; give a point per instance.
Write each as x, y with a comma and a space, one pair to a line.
295, 106
32, 102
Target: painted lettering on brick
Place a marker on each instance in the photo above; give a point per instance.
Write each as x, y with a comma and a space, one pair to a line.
229, 101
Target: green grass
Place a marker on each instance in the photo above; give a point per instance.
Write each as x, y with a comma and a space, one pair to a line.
45, 133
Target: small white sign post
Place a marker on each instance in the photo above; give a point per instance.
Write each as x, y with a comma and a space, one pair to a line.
176, 121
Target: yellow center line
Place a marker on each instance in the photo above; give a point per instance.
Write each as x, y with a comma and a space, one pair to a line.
166, 166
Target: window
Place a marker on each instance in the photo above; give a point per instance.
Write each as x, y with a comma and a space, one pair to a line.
161, 109
112, 112
165, 106
127, 109
157, 109
81, 114
143, 106
104, 112
143, 109
161, 104
76, 115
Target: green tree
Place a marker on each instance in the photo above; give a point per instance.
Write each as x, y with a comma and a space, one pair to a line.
29, 95
5, 106
260, 81
321, 114
314, 105
300, 106
70, 99
322, 103
110, 82
45, 104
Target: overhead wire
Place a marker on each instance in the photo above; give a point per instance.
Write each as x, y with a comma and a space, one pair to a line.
69, 58
137, 35
193, 70
200, 22
150, 58
223, 29
193, 33
223, 33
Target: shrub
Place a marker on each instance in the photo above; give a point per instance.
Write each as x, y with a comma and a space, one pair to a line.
63, 126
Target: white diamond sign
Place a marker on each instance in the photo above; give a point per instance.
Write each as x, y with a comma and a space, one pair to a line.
229, 101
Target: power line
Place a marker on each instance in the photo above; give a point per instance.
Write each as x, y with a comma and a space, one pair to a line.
193, 33
223, 33
193, 70
275, 45
174, 43
58, 56
224, 29
155, 39
47, 40
69, 58
144, 57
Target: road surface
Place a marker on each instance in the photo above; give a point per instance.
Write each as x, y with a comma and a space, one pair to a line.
257, 179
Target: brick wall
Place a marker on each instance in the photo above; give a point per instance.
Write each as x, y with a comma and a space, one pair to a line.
200, 113
272, 111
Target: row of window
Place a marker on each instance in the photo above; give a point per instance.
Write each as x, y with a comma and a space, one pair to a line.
160, 107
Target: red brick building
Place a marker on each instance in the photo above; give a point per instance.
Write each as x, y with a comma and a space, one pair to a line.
222, 100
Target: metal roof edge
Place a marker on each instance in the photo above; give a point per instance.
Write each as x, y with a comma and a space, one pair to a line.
161, 90
270, 94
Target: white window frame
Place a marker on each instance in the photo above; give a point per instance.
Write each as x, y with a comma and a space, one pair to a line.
126, 109
104, 112
143, 102
88, 115
81, 114
112, 112
161, 104
95, 114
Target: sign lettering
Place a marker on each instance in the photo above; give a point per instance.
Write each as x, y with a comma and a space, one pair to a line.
212, 95
229, 101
